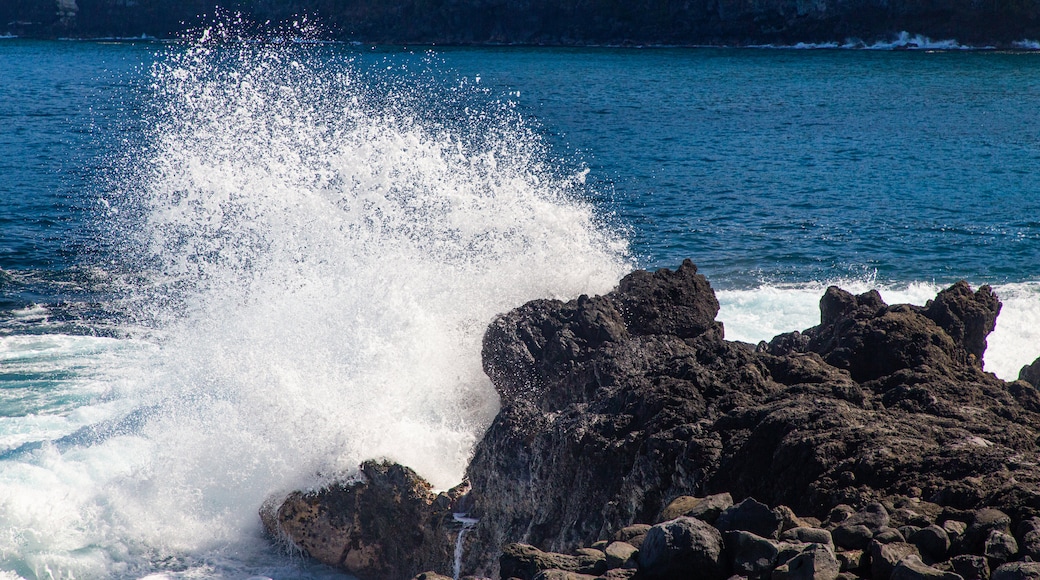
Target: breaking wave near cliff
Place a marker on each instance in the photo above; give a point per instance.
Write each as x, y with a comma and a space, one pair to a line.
317, 246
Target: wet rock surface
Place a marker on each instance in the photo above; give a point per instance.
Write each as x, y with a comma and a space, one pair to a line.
879, 428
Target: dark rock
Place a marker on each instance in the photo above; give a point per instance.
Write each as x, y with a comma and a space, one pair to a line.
431, 576
955, 529
621, 554
1029, 537
984, 522
933, 542
885, 557
966, 317
1018, 571
674, 549
808, 536
852, 537
912, 568
1030, 373
386, 524
703, 508
750, 516
527, 562
850, 560
887, 535
815, 562
1000, 546
970, 567
750, 555
634, 534
554, 574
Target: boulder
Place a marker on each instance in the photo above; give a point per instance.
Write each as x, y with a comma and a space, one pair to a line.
1029, 537
912, 568
970, 567
680, 547
750, 555
750, 516
933, 542
527, 562
814, 562
621, 554
885, 557
383, 524
703, 508
1018, 571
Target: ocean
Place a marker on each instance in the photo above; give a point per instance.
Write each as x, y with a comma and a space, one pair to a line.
231, 268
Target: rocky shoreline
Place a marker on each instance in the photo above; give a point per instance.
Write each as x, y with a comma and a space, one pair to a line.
629, 425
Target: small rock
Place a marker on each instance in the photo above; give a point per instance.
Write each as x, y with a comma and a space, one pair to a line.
933, 542
809, 536
839, 514
788, 519
750, 516
851, 560
751, 555
704, 508
619, 574
620, 554
970, 567
815, 562
912, 568
634, 534
525, 562
888, 535
682, 544
1000, 546
1029, 537
984, 521
885, 557
954, 529
874, 516
431, 576
1018, 571
852, 537
909, 530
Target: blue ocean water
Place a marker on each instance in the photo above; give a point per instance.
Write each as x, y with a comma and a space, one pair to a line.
232, 269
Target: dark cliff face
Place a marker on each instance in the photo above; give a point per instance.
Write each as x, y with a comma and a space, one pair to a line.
614, 405
557, 22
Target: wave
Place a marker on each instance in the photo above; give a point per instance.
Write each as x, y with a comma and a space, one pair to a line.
757, 314
318, 248
902, 41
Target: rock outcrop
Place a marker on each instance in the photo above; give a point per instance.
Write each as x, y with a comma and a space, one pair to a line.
879, 427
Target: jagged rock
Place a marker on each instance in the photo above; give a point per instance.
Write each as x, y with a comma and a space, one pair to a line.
703, 508
885, 557
1030, 373
385, 524
984, 523
750, 555
1000, 546
849, 560
750, 516
814, 562
1018, 571
970, 567
955, 529
673, 549
1029, 537
912, 568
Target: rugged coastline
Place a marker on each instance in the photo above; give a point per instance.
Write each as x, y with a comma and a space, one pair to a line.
631, 408
568, 23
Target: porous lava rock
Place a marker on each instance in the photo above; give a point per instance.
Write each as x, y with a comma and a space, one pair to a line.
613, 406
632, 408
384, 523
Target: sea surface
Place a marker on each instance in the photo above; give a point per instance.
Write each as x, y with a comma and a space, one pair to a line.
231, 267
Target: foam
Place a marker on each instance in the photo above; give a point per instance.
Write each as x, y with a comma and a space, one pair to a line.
320, 250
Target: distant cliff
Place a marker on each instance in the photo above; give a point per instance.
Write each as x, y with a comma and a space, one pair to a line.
554, 22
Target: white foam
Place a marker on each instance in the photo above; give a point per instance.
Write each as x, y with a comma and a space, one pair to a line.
761, 313
1026, 44
323, 255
